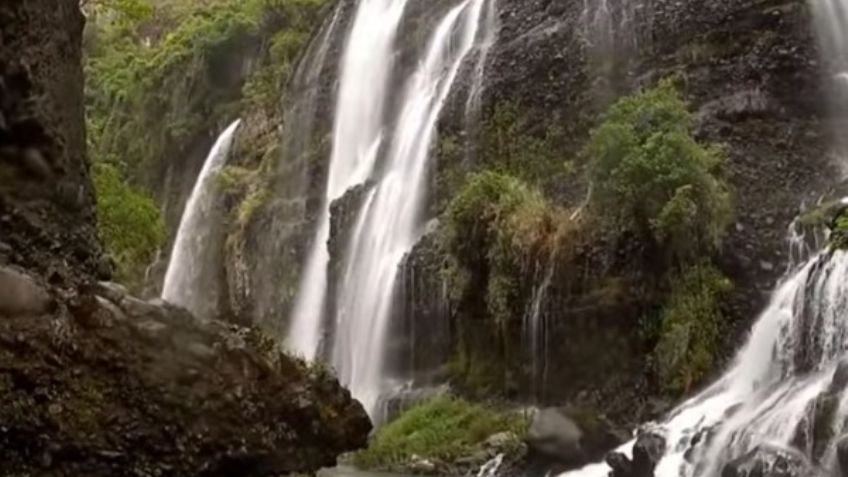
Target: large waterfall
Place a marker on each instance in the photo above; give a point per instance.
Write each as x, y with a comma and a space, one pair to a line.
357, 136
371, 144
187, 281
389, 221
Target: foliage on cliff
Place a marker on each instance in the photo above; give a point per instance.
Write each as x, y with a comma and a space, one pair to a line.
129, 222
441, 429
651, 176
839, 231
163, 73
500, 225
691, 322
658, 209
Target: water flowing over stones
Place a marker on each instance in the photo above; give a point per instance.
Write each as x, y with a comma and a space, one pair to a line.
188, 281
770, 393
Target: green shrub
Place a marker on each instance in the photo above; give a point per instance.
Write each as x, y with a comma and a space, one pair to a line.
510, 146
652, 177
129, 221
690, 325
839, 231
443, 428
499, 227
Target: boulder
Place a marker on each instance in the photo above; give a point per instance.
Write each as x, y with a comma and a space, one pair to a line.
647, 451
141, 309
556, 435
769, 461
20, 295
568, 437
114, 292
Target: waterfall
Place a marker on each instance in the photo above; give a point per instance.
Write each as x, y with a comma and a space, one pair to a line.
767, 395
357, 137
187, 282
389, 222
490, 36
535, 329
831, 17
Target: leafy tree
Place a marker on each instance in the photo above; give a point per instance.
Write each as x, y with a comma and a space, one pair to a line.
650, 175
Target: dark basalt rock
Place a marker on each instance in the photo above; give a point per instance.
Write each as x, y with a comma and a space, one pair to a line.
768, 461
98, 389
647, 452
47, 214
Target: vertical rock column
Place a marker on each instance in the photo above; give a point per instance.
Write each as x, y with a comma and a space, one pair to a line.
47, 218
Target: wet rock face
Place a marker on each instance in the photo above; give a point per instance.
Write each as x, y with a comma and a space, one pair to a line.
113, 385
647, 452
749, 70
46, 198
767, 461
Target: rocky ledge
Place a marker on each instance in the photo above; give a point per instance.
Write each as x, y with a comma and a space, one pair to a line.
96, 382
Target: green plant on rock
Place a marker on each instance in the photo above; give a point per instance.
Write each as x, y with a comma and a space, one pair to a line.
443, 428
690, 325
651, 176
130, 223
500, 226
232, 178
510, 146
839, 232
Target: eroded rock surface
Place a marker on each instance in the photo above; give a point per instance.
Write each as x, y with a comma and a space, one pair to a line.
99, 389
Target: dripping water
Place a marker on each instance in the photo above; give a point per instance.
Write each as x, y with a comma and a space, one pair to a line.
535, 332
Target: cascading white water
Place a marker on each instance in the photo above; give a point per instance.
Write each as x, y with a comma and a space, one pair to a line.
789, 360
831, 17
389, 223
357, 137
184, 284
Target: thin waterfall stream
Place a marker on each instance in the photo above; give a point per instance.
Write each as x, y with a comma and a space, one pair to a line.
184, 281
